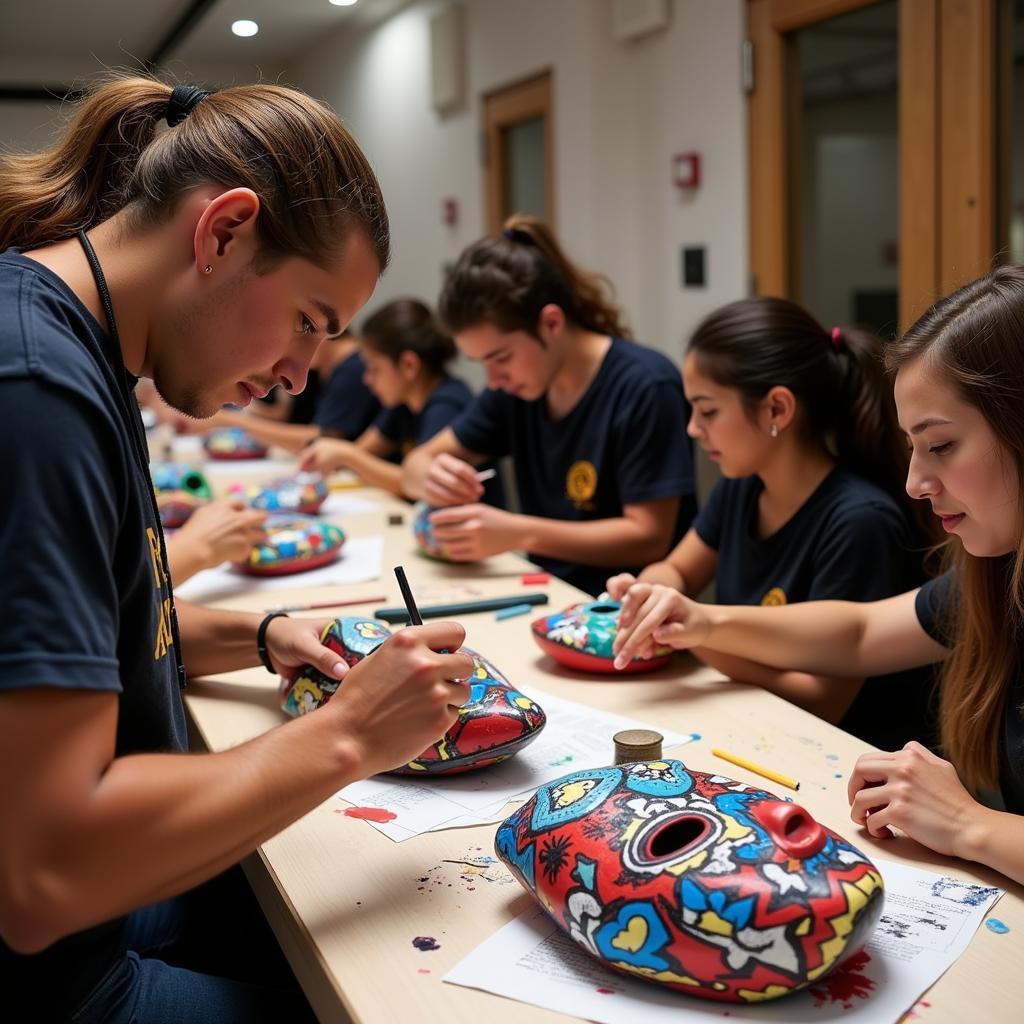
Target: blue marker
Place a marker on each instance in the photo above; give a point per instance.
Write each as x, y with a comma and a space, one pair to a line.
516, 609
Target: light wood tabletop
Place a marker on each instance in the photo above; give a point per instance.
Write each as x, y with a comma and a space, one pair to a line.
346, 902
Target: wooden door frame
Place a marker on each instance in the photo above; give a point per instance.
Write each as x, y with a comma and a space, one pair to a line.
503, 108
946, 179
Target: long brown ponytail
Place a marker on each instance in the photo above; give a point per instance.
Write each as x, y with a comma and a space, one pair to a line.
972, 340
313, 181
508, 278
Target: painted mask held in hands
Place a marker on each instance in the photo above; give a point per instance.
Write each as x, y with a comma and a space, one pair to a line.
495, 723
582, 635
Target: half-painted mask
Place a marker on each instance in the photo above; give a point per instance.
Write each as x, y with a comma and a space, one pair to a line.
695, 881
495, 723
301, 492
233, 443
293, 542
582, 635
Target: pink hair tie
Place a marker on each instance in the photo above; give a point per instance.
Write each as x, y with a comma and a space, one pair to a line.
837, 338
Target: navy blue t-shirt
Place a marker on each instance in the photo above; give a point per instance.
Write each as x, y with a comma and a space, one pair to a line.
83, 587
624, 442
346, 406
850, 541
407, 429
937, 610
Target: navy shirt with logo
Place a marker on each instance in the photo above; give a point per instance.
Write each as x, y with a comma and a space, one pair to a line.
83, 588
346, 406
624, 442
937, 608
849, 541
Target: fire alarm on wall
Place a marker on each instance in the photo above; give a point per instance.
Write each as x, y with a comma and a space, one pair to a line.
686, 170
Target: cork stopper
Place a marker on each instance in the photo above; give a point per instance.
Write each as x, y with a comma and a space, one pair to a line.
637, 745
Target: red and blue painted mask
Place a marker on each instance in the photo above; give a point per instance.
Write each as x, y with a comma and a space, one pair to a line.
693, 881
496, 722
582, 636
232, 443
293, 543
302, 492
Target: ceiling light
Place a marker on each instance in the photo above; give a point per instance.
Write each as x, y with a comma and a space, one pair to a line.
343, 3
245, 27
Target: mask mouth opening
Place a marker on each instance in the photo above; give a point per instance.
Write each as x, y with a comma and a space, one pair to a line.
676, 836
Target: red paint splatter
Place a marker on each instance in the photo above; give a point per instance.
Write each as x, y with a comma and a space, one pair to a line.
927, 1006
606, 991
845, 983
423, 970
370, 813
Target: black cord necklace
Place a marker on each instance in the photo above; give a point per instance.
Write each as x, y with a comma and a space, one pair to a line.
138, 437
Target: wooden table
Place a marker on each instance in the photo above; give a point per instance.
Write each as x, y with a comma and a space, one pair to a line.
346, 902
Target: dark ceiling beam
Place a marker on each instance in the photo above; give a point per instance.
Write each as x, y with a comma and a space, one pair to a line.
178, 32
174, 36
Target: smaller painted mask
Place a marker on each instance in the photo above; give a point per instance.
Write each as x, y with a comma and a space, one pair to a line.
693, 881
582, 635
301, 492
232, 443
425, 540
180, 489
292, 543
494, 724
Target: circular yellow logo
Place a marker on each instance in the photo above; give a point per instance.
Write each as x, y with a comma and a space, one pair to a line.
581, 481
775, 596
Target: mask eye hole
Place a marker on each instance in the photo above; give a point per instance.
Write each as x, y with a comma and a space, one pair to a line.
675, 836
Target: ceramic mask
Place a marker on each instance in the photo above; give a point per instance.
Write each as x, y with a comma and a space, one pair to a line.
302, 492
582, 635
232, 443
424, 532
293, 543
496, 722
693, 881
180, 489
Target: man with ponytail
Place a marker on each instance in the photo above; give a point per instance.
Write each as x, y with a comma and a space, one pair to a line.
959, 381
811, 502
595, 424
209, 242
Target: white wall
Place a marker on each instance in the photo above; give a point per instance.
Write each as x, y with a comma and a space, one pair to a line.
621, 110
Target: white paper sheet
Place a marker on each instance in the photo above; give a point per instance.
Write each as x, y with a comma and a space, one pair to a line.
339, 503
928, 922
574, 738
359, 562
224, 472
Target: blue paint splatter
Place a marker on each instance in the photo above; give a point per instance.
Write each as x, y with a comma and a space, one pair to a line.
993, 924
426, 943
839, 775
831, 757
966, 893
695, 736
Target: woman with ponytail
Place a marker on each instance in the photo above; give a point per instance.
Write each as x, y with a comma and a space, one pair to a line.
959, 387
594, 423
811, 502
208, 242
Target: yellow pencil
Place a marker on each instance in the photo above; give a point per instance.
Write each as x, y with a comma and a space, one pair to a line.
757, 769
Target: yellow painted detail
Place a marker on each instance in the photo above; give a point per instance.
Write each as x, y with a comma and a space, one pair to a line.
768, 992
711, 922
633, 936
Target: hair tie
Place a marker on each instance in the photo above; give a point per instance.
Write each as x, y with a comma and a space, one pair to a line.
183, 100
837, 338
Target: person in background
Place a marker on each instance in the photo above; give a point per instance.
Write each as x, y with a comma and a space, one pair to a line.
595, 424
810, 504
406, 356
959, 377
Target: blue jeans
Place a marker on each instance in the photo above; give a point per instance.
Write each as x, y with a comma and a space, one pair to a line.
207, 956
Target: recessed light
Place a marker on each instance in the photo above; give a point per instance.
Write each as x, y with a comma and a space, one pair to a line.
245, 27
343, 3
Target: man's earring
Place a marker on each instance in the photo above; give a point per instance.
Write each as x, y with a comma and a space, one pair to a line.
208, 269
775, 430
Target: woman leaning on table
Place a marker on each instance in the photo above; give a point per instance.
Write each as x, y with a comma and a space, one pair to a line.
959, 383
